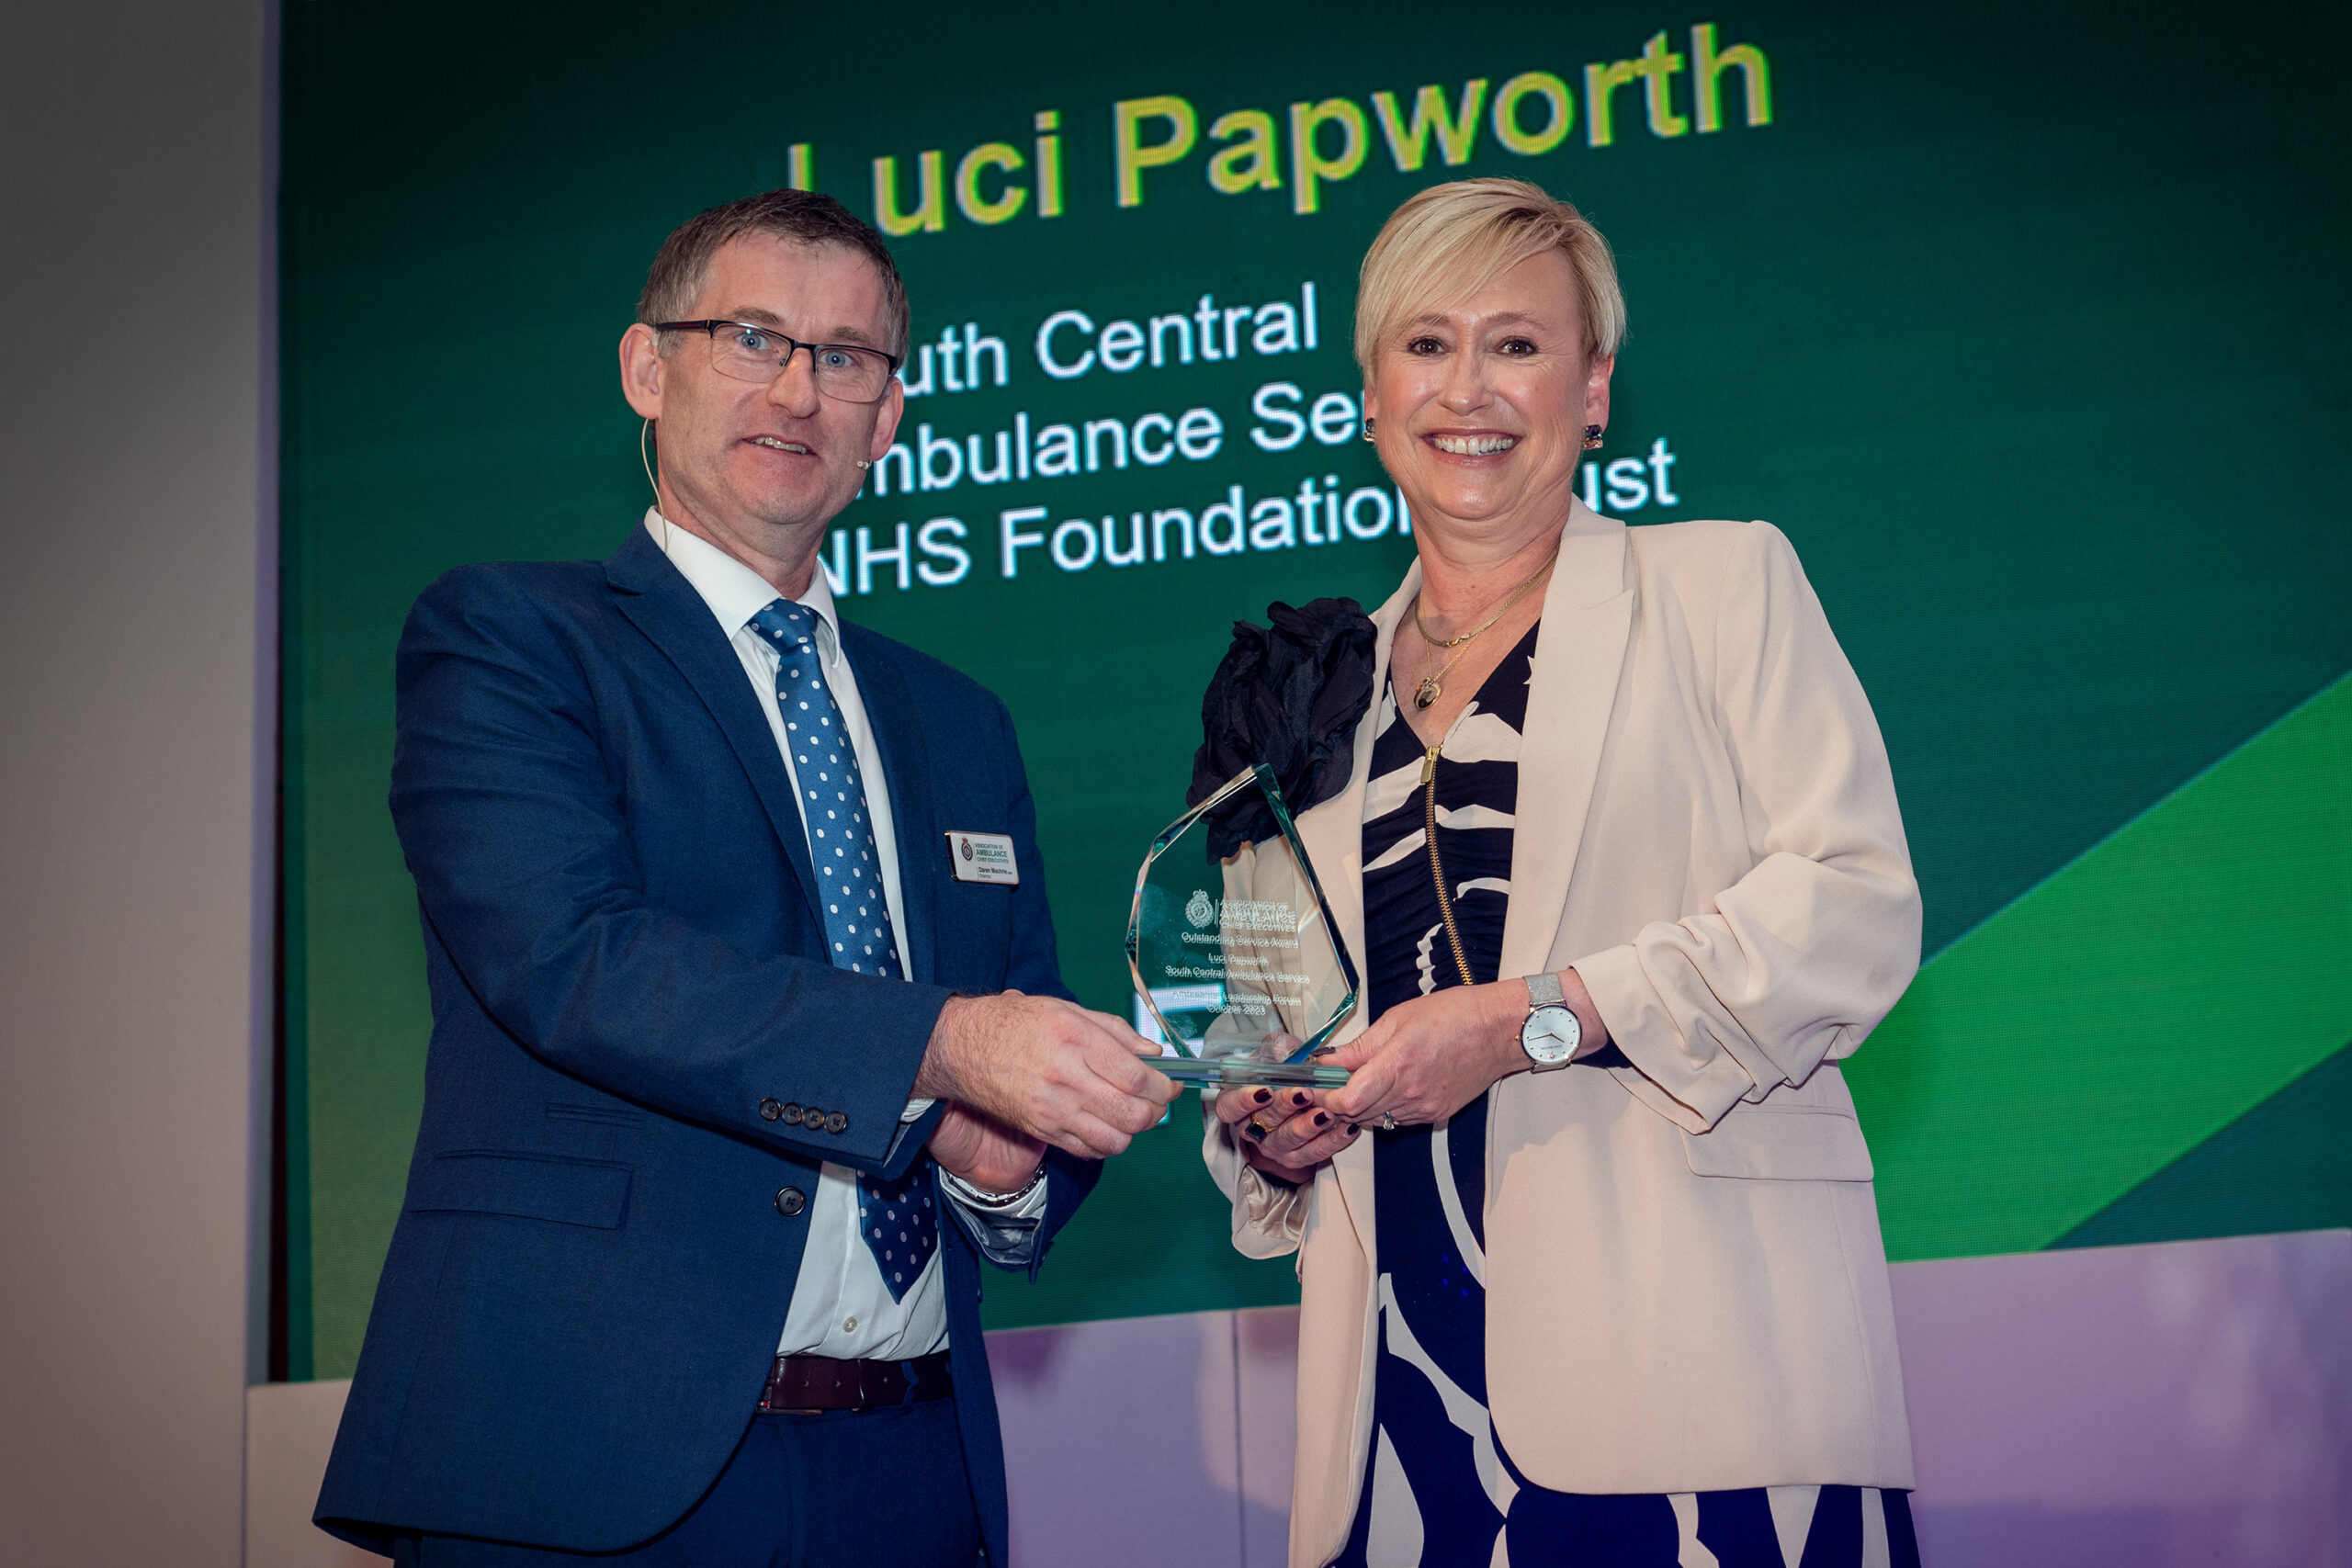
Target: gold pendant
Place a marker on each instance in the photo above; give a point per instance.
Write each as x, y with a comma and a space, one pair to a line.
1429, 693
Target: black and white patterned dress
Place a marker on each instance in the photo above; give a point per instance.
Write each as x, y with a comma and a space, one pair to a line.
1439, 1490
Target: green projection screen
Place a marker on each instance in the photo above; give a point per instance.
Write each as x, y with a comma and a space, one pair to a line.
2025, 323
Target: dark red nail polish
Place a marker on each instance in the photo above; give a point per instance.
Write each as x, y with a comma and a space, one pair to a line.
1322, 1119
1264, 1095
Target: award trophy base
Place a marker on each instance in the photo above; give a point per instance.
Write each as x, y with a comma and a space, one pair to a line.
1220, 1071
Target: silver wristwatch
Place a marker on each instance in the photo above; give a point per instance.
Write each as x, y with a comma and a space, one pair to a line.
1550, 1034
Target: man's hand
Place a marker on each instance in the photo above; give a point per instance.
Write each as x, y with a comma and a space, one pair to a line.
984, 1151
1047, 1068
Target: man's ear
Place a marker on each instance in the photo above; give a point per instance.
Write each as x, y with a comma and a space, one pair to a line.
885, 422
642, 370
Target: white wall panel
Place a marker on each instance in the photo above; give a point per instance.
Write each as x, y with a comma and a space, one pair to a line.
289, 1431
136, 629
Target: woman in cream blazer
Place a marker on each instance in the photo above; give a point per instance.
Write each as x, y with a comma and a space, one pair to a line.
1688, 1343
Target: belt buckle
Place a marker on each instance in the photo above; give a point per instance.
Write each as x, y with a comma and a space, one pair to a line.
771, 1396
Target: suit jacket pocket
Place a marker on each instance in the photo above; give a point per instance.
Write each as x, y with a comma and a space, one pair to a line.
532, 1186
611, 1115
1791, 1143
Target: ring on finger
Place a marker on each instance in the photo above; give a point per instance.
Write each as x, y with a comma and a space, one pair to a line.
1387, 1121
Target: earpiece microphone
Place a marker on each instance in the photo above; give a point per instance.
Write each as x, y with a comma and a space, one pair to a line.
645, 455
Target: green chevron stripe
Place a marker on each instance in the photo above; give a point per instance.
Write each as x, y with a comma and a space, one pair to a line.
2142, 998
2284, 1165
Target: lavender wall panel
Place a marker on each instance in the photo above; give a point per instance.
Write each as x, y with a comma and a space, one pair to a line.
2134, 1406
2184, 1403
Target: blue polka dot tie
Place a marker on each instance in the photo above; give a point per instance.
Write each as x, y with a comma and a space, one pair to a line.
896, 1217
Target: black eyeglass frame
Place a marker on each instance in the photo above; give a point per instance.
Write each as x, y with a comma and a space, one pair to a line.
792, 346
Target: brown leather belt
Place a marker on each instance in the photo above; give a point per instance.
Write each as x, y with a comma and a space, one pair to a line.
810, 1385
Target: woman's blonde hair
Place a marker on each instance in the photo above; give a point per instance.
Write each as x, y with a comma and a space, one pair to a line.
1450, 240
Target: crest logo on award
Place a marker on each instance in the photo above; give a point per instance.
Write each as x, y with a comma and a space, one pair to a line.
1249, 981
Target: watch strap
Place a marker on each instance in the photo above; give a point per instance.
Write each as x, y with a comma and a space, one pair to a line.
1543, 990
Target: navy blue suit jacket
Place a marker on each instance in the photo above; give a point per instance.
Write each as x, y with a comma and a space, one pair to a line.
590, 1271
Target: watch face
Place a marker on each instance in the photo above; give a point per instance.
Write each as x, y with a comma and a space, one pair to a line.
1550, 1034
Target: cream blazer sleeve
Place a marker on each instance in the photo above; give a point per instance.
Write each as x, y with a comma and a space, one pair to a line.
1799, 959
1269, 1216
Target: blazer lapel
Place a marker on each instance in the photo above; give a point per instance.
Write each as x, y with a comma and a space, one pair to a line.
664, 606
1333, 834
906, 771
1588, 613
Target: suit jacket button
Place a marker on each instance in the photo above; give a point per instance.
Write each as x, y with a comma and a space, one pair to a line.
811, 1118
770, 1110
835, 1121
792, 1111
790, 1201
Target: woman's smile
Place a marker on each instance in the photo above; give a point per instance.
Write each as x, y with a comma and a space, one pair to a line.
1471, 443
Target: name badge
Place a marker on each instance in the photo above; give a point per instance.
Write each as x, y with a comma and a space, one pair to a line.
983, 857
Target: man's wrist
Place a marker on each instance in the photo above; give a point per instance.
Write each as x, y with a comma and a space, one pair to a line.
973, 1193
935, 1079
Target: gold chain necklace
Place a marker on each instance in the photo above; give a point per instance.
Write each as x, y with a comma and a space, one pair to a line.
1437, 867
1432, 686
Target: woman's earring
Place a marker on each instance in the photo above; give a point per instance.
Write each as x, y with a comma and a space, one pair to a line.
1368, 430
864, 464
1591, 436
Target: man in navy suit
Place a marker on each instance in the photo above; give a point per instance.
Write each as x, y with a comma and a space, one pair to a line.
741, 1066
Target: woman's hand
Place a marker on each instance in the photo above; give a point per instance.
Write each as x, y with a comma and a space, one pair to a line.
1282, 1130
1427, 1058
983, 1150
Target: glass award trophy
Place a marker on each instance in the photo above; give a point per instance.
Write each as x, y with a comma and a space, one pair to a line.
1235, 955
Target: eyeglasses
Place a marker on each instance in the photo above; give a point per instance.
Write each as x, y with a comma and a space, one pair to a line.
756, 354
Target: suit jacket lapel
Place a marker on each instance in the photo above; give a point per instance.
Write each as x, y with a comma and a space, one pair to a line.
1333, 834
906, 770
664, 606
1588, 613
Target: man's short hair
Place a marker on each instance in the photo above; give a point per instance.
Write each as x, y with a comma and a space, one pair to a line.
803, 217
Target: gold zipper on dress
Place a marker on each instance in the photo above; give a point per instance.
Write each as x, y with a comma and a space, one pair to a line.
1437, 871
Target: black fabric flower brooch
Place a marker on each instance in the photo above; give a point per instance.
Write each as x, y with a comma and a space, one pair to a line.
1290, 696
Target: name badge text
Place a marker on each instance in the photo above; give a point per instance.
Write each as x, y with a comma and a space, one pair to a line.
983, 857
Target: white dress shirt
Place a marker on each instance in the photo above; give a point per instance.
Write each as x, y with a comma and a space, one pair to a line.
840, 1305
